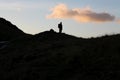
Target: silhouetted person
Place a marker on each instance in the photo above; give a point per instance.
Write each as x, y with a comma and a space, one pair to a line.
60, 27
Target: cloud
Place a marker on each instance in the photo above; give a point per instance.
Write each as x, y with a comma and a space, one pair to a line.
20, 5
118, 21
11, 6
61, 11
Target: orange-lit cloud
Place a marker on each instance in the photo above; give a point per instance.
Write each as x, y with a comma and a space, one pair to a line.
61, 11
118, 21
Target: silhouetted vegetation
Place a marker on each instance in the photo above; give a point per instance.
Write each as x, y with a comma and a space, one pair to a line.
53, 56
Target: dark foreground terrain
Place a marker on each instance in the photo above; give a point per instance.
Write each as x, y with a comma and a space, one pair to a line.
53, 56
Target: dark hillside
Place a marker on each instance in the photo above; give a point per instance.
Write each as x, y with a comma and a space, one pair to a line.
53, 56
8, 31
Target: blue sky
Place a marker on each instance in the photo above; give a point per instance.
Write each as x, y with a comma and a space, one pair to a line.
30, 16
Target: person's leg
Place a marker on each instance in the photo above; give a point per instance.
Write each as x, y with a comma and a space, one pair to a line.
60, 30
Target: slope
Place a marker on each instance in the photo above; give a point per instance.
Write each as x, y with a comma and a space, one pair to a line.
9, 31
53, 56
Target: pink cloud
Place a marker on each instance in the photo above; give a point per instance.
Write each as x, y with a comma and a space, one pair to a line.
118, 21
61, 11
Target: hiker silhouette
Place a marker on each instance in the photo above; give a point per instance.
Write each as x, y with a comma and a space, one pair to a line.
60, 27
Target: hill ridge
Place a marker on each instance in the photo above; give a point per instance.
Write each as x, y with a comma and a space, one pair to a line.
9, 31
53, 56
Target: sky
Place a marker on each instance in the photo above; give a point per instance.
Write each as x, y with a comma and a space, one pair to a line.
81, 18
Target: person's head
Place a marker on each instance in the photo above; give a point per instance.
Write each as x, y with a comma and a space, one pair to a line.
60, 22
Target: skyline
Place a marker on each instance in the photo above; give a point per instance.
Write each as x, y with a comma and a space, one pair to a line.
86, 18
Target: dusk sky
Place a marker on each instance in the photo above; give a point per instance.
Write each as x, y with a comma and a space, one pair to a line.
81, 18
